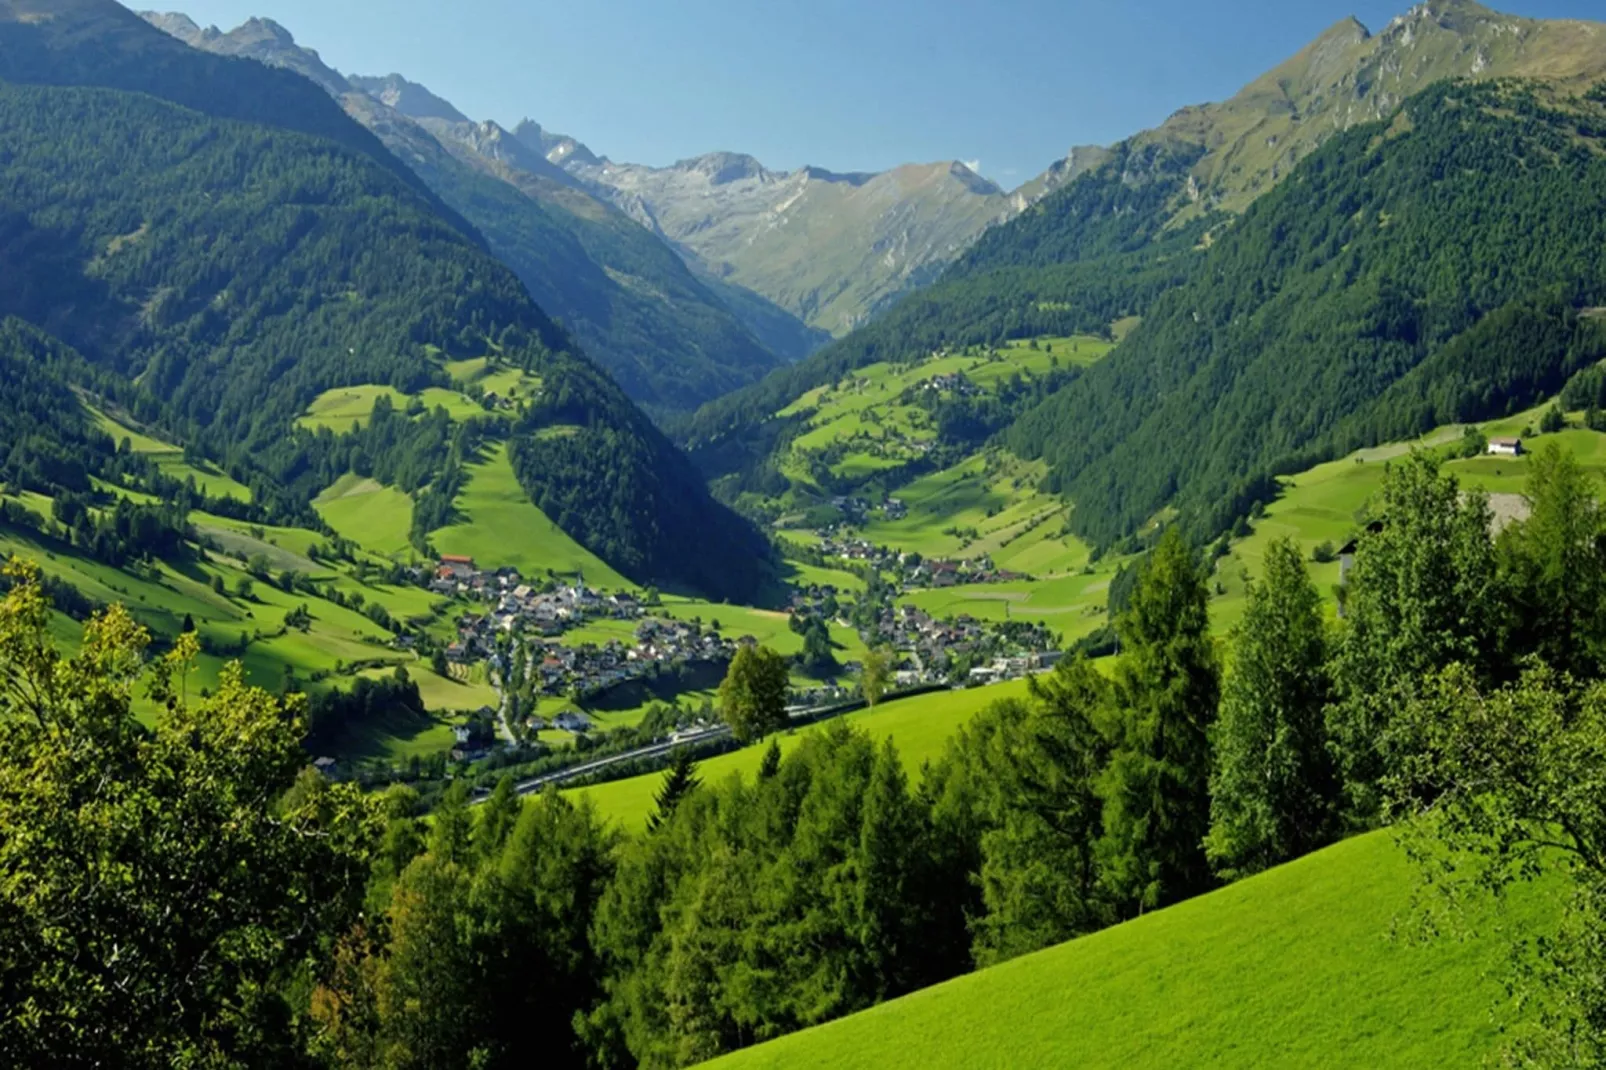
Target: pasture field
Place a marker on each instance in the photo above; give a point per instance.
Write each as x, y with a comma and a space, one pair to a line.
499, 526
170, 459
368, 513
1324, 503
1291, 968
987, 504
346, 407
865, 412
918, 726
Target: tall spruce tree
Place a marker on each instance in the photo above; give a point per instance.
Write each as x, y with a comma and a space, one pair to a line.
1274, 791
1039, 871
680, 780
1156, 785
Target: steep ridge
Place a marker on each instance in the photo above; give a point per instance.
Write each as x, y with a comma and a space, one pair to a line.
221, 274
1348, 76
629, 301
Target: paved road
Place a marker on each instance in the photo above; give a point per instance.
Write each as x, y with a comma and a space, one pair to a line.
536, 784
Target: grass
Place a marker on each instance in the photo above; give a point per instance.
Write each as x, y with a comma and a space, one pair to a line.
374, 516
918, 726
346, 407
170, 459
500, 526
1293, 968
1323, 503
864, 413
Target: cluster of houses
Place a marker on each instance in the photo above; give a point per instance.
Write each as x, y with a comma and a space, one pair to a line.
913, 571
951, 383
518, 607
589, 669
929, 648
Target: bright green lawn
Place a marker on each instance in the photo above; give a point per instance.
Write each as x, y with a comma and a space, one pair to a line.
1293, 968
368, 513
500, 526
1323, 504
918, 726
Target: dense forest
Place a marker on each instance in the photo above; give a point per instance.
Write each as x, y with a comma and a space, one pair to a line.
1437, 267
1425, 269
235, 271
1459, 700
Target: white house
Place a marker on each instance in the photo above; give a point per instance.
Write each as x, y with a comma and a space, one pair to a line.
1506, 447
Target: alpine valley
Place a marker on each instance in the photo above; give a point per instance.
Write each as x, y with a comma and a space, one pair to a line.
468, 601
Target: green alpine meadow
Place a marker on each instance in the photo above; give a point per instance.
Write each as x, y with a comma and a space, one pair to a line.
805, 570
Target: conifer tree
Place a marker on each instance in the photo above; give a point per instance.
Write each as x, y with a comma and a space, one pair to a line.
680, 780
1156, 786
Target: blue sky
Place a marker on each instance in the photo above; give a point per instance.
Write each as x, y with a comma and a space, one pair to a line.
843, 84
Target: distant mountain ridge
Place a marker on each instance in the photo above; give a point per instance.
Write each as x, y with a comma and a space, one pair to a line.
1347, 76
832, 248
668, 339
216, 245
1200, 406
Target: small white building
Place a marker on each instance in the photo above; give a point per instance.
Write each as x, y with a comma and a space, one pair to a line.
1506, 447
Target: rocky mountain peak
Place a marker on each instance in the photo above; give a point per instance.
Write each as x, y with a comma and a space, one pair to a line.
260, 39
409, 98
557, 148
723, 168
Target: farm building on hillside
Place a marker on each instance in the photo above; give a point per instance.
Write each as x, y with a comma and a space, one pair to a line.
1506, 447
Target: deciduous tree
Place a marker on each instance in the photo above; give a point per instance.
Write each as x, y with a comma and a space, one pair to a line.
1273, 790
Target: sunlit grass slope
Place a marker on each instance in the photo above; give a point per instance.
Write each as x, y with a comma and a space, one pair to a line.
1294, 968
499, 526
919, 727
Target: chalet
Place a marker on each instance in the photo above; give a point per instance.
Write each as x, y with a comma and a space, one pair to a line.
570, 721
326, 766
1506, 447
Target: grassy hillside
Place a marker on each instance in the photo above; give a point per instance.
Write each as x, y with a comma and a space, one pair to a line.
115, 252
1293, 968
368, 513
498, 525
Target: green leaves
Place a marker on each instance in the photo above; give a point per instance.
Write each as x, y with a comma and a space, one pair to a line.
1273, 789
752, 697
157, 887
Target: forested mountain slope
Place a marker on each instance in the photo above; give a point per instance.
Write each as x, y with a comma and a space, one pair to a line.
1428, 269
1129, 226
627, 298
221, 274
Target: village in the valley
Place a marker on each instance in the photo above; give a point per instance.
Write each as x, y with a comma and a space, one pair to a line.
518, 617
